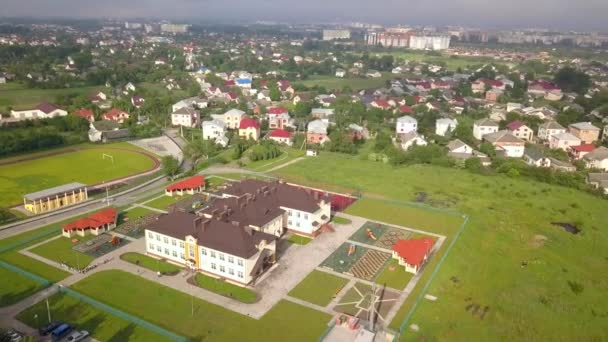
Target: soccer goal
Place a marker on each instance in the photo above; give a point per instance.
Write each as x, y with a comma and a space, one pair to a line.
105, 156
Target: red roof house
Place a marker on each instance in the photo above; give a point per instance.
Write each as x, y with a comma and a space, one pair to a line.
85, 114
95, 224
249, 123
188, 185
116, 115
413, 253
382, 104
277, 111
281, 136
579, 151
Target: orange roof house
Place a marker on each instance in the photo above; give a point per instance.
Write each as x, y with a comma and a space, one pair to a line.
95, 224
413, 253
190, 186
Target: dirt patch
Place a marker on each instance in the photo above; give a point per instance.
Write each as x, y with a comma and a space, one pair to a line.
538, 241
568, 227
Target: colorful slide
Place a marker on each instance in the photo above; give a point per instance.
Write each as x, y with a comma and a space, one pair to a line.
370, 234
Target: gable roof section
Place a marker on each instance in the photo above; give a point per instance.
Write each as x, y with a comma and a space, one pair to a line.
249, 123
413, 251
188, 183
95, 220
280, 133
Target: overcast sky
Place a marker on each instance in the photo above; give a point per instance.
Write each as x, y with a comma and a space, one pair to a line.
556, 14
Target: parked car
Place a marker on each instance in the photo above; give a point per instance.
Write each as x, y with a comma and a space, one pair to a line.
15, 336
45, 330
61, 331
76, 336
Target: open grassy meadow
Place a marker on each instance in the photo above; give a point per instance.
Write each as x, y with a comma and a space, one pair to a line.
15, 287
84, 165
150, 301
332, 82
511, 274
17, 96
100, 324
318, 288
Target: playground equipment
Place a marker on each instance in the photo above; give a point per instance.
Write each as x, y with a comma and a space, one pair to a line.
115, 240
352, 249
371, 235
348, 321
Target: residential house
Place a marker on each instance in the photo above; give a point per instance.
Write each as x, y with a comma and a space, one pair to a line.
137, 101
316, 132
98, 97
549, 128
373, 74
598, 181
404, 109
492, 95
458, 146
520, 130
484, 126
563, 141
506, 143
597, 159
406, 124
445, 125
480, 85
281, 136
579, 151
129, 87
512, 106
185, 116
534, 157
413, 254
86, 114
412, 138
278, 117
232, 118
380, 104
460, 151
340, 72
44, 110
322, 113
215, 130
106, 130
356, 132
191, 102
249, 129
116, 114
585, 131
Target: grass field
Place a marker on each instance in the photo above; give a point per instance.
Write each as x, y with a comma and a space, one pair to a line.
223, 288
155, 265
60, 250
397, 278
341, 220
19, 97
299, 239
132, 214
85, 166
452, 63
318, 288
556, 295
286, 321
15, 287
288, 155
101, 325
164, 202
332, 82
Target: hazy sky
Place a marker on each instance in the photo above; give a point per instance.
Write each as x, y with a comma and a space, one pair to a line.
558, 14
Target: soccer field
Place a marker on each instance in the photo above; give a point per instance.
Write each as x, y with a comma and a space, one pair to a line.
86, 165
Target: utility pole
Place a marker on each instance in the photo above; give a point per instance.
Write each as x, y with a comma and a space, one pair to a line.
48, 310
107, 196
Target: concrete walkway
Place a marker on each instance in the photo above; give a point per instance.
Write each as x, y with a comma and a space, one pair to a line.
284, 165
150, 208
310, 305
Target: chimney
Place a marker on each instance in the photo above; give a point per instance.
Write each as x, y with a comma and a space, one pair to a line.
205, 225
308, 191
197, 221
316, 195
235, 223
248, 230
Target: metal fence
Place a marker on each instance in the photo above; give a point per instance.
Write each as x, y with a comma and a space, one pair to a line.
43, 233
38, 279
123, 315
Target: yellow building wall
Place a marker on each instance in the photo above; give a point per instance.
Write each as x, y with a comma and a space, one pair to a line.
56, 202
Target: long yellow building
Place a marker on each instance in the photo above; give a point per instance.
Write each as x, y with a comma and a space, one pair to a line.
55, 198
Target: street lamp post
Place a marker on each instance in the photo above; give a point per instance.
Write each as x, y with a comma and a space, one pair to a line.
36, 318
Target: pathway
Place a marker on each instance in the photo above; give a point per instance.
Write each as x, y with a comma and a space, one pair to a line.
286, 164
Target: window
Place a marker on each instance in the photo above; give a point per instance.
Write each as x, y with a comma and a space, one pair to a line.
166, 240
298, 214
181, 244
240, 262
231, 259
150, 235
290, 222
152, 246
306, 216
290, 213
213, 266
240, 274
231, 271
212, 254
222, 256
158, 237
222, 268
297, 224
181, 255
159, 249
191, 252
175, 254
167, 251
173, 242
203, 251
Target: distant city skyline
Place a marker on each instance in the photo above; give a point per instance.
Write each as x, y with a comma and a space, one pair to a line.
585, 15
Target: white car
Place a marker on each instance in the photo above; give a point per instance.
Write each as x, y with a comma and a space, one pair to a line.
76, 336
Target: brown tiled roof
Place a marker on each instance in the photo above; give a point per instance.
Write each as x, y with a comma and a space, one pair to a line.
247, 210
285, 195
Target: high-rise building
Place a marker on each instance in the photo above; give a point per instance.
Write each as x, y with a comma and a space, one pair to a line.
174, 28
336, 34
389, 38
429, 42
132, 26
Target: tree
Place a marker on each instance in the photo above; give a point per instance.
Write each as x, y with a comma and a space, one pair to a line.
274, 93
198, 150
473, 164
169, 165
487, 149
572, 80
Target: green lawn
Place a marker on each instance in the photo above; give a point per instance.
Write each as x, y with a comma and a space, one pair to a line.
133, 214
164, 202
288, 155
60, 250
213, 182
318, 288
397, 278
15, 287
36, 267
341, 220
355, 83
100, 324
452, 63
19, 97
151, 301
85, 166
299, 239
150, 263
558, 294
223, 288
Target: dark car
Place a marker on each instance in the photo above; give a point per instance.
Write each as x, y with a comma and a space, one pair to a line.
45, 330
61, 331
